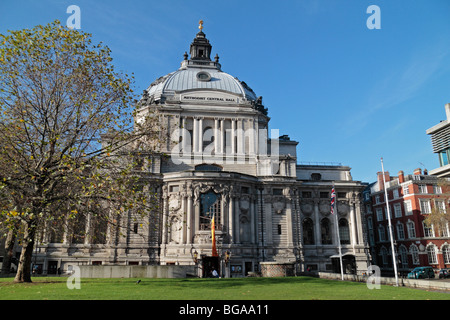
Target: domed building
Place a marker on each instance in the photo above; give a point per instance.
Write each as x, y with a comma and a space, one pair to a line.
232, 199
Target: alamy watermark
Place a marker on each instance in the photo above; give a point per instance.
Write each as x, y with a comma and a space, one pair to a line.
74, 20
373, 281
74, 280
374, 21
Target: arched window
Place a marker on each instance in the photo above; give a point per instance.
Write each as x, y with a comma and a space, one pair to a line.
209, 209
414, 251
308, 231
79, 229
431, 252
326, 231
446, 253
384, 256
403, 256
344, 231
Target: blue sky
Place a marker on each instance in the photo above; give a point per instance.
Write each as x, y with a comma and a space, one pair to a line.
346, 93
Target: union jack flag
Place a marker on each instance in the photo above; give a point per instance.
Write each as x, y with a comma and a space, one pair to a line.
333, 200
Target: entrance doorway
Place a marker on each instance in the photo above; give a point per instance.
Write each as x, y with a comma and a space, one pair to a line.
348, 262
208, 265
52, 267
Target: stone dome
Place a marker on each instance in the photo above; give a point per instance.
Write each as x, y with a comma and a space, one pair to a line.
199, 73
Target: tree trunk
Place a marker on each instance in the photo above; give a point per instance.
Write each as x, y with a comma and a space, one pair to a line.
24, 269
9, 251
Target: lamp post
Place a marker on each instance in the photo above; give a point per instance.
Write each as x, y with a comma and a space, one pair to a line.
226, 259
195, 256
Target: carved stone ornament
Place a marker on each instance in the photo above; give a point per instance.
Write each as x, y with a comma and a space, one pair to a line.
244, 204
307, 208
221, 189
343, 208
279, 203
174, 203
325, 208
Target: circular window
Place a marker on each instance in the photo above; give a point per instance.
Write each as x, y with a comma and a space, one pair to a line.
203, 76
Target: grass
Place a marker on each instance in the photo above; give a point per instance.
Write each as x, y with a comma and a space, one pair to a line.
295, 288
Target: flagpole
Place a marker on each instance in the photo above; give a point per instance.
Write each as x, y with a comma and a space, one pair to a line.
334, 211
394, 260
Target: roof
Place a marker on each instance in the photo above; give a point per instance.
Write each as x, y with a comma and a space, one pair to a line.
187, 80
200, 73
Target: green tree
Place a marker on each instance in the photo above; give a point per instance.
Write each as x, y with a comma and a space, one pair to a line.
69, 146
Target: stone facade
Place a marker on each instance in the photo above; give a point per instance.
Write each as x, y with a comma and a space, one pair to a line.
218, 160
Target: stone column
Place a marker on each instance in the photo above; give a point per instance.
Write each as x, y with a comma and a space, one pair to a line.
253, 238
222, 136
195, 135
231, 218
233, 134
189, 225
317, 231
200, 136
183, 134
216, 136
240, 137
290, 225
165, 208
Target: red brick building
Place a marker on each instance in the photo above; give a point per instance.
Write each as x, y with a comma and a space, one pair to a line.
411, 198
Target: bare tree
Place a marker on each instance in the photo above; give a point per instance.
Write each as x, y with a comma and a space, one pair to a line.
69, 146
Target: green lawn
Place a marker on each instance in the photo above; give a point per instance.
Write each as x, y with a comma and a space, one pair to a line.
295, 288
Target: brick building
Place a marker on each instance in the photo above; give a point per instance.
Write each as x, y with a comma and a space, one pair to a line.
410, 198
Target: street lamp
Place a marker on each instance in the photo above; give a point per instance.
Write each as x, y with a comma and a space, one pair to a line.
195, 256
227, 257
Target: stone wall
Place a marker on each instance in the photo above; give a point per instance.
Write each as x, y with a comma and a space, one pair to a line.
432, 284
277, 269
137, 271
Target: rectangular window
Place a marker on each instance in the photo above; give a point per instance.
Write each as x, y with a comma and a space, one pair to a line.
395, 193
443, 158
425, 206
405, 190
428, 230
408, 208
440, 206
397, 210
279, 229
379, 214
437, 189
306, 194
411, 230
423, 188
377, 199
324, 195
277, 192
400, 231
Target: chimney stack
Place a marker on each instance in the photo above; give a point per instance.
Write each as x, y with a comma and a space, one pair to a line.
401, 177
380, 178
418, 171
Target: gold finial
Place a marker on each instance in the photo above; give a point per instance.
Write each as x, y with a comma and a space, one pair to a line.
200, 25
